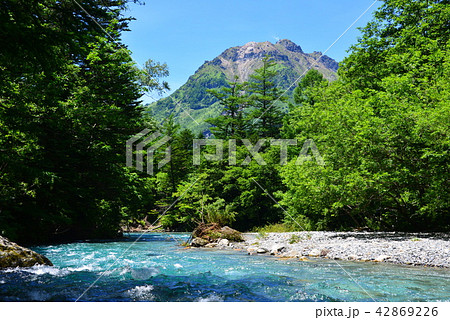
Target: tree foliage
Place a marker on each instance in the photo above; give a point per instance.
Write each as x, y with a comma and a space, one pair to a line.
382, 129
69, 99
68, 102
265, 99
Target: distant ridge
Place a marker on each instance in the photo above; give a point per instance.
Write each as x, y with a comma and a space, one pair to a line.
193, 100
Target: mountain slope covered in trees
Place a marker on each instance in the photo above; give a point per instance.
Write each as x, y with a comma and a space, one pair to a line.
192, 99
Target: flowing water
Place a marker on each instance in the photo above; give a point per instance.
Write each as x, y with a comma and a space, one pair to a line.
157, 268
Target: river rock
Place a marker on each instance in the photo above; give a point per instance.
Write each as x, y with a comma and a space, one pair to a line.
231, 234
223, 243
12, 255
199, 242
303, 258
211, 245
251, 250
314, 253
383, 247
261, 250
381, 258
276, 248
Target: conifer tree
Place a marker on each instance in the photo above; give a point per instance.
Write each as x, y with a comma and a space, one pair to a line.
265, 98
232, 123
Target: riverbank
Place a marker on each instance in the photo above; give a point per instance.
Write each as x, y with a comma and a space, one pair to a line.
430, 250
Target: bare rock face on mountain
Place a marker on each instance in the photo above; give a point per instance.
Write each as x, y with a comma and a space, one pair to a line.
12, 255
325, 60
289, 45
192, 100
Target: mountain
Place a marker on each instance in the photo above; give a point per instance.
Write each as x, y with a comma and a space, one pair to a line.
191, 101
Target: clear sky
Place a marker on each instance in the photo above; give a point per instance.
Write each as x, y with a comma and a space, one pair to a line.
184, 34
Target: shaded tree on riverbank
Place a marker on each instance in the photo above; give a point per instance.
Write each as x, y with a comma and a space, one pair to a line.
68, 100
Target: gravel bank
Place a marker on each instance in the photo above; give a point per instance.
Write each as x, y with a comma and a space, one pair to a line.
431, 250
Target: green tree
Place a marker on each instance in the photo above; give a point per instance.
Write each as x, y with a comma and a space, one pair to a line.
233, 122
265, 99
313, 79
149, 77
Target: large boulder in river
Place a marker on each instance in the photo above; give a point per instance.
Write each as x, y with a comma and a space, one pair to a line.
213, 232
12, 255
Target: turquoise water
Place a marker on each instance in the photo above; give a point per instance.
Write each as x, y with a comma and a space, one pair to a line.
157, 268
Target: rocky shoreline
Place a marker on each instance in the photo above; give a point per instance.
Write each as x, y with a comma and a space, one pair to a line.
430, 250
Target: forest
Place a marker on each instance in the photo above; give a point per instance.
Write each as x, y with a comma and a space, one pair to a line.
70, 98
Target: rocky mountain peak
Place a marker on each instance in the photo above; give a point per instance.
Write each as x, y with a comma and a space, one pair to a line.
289, 45
241, 62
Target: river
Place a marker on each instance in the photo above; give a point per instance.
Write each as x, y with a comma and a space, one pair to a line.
157, 268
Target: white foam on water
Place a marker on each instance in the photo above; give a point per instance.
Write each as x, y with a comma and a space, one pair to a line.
10, 270
124, 270
51, 270
211, 298
141, 293
88, 257
144, 273
41, 270
178, 266
88, 267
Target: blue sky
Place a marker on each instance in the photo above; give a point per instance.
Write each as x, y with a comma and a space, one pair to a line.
184, 34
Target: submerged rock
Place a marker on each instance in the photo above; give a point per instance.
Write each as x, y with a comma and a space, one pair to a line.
12, 255
144, 273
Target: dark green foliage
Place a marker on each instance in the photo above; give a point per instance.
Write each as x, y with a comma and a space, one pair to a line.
68, 102
233, 122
